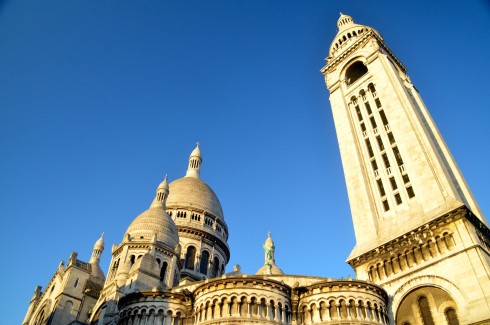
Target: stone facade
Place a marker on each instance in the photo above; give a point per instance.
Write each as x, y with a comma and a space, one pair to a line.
422, 251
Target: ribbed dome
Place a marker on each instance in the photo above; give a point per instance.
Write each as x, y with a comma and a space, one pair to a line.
191, 192
155, 221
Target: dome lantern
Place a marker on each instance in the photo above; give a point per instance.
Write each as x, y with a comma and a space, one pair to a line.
344, 22
195, 160
161, 195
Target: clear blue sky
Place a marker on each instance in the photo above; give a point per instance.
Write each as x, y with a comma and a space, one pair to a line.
100, 99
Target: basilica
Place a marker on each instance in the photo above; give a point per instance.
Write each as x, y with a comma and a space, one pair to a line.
422, 253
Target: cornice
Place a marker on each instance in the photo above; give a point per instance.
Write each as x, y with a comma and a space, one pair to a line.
212, 285
143, 296
356, 45
414, 235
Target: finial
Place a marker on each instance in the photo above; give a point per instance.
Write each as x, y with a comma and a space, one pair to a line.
269, 234
197, 143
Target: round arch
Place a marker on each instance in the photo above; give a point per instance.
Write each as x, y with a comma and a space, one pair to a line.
427, 281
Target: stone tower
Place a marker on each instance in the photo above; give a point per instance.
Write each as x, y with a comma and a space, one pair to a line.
419, 231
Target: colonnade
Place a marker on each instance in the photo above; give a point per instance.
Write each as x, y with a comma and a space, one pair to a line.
143, 316
335, 310
244, 307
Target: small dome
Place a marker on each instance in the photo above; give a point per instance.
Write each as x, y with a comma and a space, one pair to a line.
274, 270
196, 152
100, 242
348, 33
155, 221
192, 192
344, 21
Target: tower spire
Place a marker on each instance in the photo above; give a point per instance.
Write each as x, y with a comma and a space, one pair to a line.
195, 160
161, 196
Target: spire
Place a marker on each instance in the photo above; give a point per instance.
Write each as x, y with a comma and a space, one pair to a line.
195, 160
161, 195
97, 251
344, 22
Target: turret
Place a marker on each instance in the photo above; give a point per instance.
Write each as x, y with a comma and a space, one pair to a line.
195, 160
95, 259
161, 195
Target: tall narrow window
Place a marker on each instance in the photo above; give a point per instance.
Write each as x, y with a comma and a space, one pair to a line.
374, 164
410, 192
363, 127
163, 271
215, 266
386, 206
76, 283
373, 122
398, 156
406, 179
380, 143
386, 161
358, 111
451, 317
368, 108
370, 149
425, 311
203, 268
381, 188
393, 183
391, 138
383, 117
190, 256
378, 102
398, 198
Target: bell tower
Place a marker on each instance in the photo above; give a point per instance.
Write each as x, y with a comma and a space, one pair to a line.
416, 222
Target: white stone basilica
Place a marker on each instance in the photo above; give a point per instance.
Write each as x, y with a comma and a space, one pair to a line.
422, 253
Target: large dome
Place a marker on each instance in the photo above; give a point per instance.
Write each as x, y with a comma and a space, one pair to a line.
191, 192
155, 221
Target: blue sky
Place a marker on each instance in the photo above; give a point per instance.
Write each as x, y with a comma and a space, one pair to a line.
100, 99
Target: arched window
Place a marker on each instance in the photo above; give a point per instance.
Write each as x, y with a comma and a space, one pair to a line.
163, 271
203, 268
354, 72
215, 266
190, 256
451, 317
425, 311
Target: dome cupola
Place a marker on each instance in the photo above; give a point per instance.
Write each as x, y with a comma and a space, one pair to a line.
344, 22
349, 33
155, 220
197, 212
